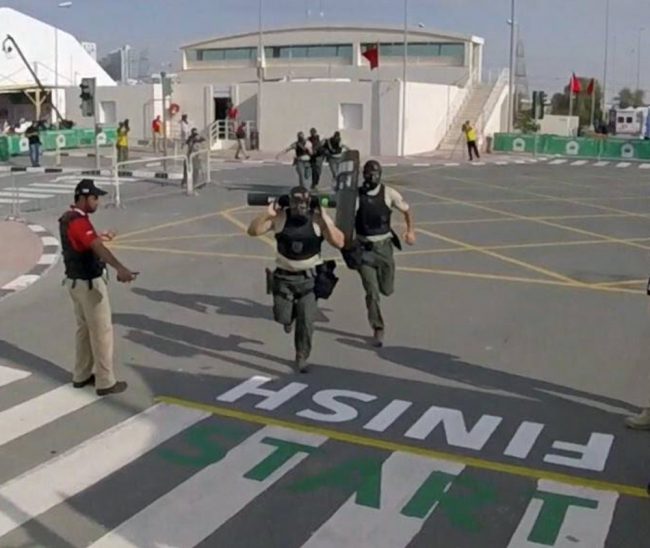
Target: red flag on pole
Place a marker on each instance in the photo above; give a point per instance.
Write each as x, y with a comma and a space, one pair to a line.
590, 88
575, 86
372, 54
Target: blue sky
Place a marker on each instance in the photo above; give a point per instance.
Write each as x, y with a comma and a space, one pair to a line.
560, 36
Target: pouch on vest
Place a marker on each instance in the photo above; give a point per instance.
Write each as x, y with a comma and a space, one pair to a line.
396, 241
269, 281
353, 255
325, 280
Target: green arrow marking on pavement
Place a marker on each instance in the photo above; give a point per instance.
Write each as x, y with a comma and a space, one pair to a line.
285, 450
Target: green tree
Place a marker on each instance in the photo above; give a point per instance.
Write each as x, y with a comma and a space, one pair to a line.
627, 98
581, 102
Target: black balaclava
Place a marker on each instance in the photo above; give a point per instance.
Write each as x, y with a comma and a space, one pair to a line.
299, 202
371, 174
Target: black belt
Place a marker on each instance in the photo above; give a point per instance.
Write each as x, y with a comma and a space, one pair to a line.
305, 273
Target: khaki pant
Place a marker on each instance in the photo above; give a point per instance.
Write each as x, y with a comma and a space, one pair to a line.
378, 277
94, 339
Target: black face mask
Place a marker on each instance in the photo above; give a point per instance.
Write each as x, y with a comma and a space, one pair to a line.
299, 209
371, 180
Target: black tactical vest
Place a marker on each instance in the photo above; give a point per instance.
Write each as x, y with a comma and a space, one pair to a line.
78, 266
373, 216
298, 240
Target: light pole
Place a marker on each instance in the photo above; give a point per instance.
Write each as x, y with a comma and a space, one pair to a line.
511, 76
55, 98
260, 55
404, 62
604, 97
638, 61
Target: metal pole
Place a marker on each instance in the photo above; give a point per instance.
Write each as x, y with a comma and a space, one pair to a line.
55, 95
405, 62
98, 162
638, 62
511, 87
604, 91
260, 54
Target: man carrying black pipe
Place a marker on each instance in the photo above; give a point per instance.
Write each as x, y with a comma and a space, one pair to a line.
300, 227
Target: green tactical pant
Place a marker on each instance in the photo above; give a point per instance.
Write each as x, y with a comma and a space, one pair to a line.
294, 300
378, 277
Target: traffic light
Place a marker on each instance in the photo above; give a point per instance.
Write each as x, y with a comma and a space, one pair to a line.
87, 96
166, 84
539, 100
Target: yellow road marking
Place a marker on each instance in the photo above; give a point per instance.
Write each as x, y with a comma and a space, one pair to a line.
227, 215
365, 441
499, 277
512, 220
625, 282
177, 223
187, 252
503, 258
176, 238
532, 219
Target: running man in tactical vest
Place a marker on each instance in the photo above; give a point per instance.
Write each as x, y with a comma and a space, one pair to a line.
299, 232
333, 149
375, 236
302, 158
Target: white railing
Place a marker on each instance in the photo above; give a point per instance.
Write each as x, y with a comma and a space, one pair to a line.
225, 130
492, 99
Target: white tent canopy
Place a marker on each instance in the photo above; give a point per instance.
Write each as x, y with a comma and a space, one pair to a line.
43, 45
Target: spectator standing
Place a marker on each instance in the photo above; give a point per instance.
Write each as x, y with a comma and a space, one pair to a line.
471, 137
241, 140
157, 131
32, 134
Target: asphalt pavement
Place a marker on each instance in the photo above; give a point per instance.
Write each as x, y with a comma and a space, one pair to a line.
516, 344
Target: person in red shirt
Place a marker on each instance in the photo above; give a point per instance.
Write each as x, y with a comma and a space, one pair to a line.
157, 130
85, 257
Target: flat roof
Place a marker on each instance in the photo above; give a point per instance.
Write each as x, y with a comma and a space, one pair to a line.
418, 31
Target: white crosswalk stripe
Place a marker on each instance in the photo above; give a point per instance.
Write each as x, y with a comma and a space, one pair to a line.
601, 164
558, 162
21, 194
623, 164
407, 489
579, 163
169, 524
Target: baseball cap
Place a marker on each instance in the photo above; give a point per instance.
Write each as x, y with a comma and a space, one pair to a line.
86, 187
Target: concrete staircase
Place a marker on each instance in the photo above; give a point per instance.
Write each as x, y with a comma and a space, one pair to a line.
453, 143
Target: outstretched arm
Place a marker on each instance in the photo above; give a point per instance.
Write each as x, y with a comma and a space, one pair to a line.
409, 235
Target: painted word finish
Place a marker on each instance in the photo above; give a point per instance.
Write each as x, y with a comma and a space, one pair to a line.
331, 406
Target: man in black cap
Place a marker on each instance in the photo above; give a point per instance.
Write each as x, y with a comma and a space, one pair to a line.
85, 258
299, 231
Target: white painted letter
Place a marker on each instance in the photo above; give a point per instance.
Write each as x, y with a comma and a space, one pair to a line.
525, 437
342, 411
456, 432
388, 415
272, 398
593, 455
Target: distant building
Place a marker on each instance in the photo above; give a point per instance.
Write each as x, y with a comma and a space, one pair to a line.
91, 48
118, 64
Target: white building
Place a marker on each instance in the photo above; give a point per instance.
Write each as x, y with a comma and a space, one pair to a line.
318, 76
56, 57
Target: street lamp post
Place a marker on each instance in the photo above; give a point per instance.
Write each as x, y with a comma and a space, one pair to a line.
404, 62
55, 95
511, 91
604, 91
638, 60
260, 62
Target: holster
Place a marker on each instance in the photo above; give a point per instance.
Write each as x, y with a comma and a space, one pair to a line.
269, 281
325, 280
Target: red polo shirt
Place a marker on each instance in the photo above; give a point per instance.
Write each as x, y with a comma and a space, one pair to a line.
81, 232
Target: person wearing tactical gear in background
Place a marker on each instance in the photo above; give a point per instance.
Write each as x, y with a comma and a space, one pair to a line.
85, 258
333, 149
317, 157
302, 159
299, 232
376, 239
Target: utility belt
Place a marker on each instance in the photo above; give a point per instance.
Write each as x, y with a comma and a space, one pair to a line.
73, 281
323, 275
353, 255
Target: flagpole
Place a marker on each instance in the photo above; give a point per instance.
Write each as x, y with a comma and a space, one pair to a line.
593, 104
405, 60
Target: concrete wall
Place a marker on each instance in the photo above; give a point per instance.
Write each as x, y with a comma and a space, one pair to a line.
429, 112
289, 107
140, 104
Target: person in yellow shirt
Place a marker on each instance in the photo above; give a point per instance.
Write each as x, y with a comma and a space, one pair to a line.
122, 143
470, 135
